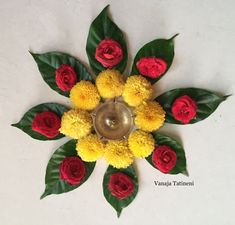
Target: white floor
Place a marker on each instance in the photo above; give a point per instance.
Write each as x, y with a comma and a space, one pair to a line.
205, 54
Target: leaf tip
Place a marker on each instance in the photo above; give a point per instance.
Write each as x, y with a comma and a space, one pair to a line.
119, 213
46, 193
15, 125
30, 52
105, 9
185, 172
226, 96
173, 37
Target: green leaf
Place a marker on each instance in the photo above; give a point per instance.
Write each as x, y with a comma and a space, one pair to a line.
117, 204
180, 166
54, 185
207, 102
25, 124
103, 27
161, 48
50, 61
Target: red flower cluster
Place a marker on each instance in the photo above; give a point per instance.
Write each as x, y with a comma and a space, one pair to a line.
121, 185
151, 67
46, 123
66, 77
72, 169
109, 53
184, 109
164, 158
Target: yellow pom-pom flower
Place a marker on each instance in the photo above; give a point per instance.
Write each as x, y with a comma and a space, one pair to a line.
150, 116
118, 154
141, 143
137, 89
84, 95
110, 83
76, 123
90, 148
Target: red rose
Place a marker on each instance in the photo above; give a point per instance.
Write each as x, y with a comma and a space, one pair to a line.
109, 53
121, 185
184, 109
164, 158
47, 124
151, 67
66, 77
72, 170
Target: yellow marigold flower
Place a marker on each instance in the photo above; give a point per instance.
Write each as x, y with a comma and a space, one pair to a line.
141, 143
110, 83
90, 148
118, 154
137, 89
84, 95
76, 123
150, 116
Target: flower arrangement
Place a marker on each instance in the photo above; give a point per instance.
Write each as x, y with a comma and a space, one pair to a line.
112, 117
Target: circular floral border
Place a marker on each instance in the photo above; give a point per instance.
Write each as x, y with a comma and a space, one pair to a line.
72, 163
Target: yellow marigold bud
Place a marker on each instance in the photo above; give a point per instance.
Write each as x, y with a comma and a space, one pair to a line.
118, 154
110, 83
90, 148
141, 143
150, 116
76, 123
137, 89
84, 95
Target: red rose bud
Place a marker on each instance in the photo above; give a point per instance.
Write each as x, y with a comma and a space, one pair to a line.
72, 170
109, 53
121, 185
66, 77
164, 158
151, 67
47, 124
184, 109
